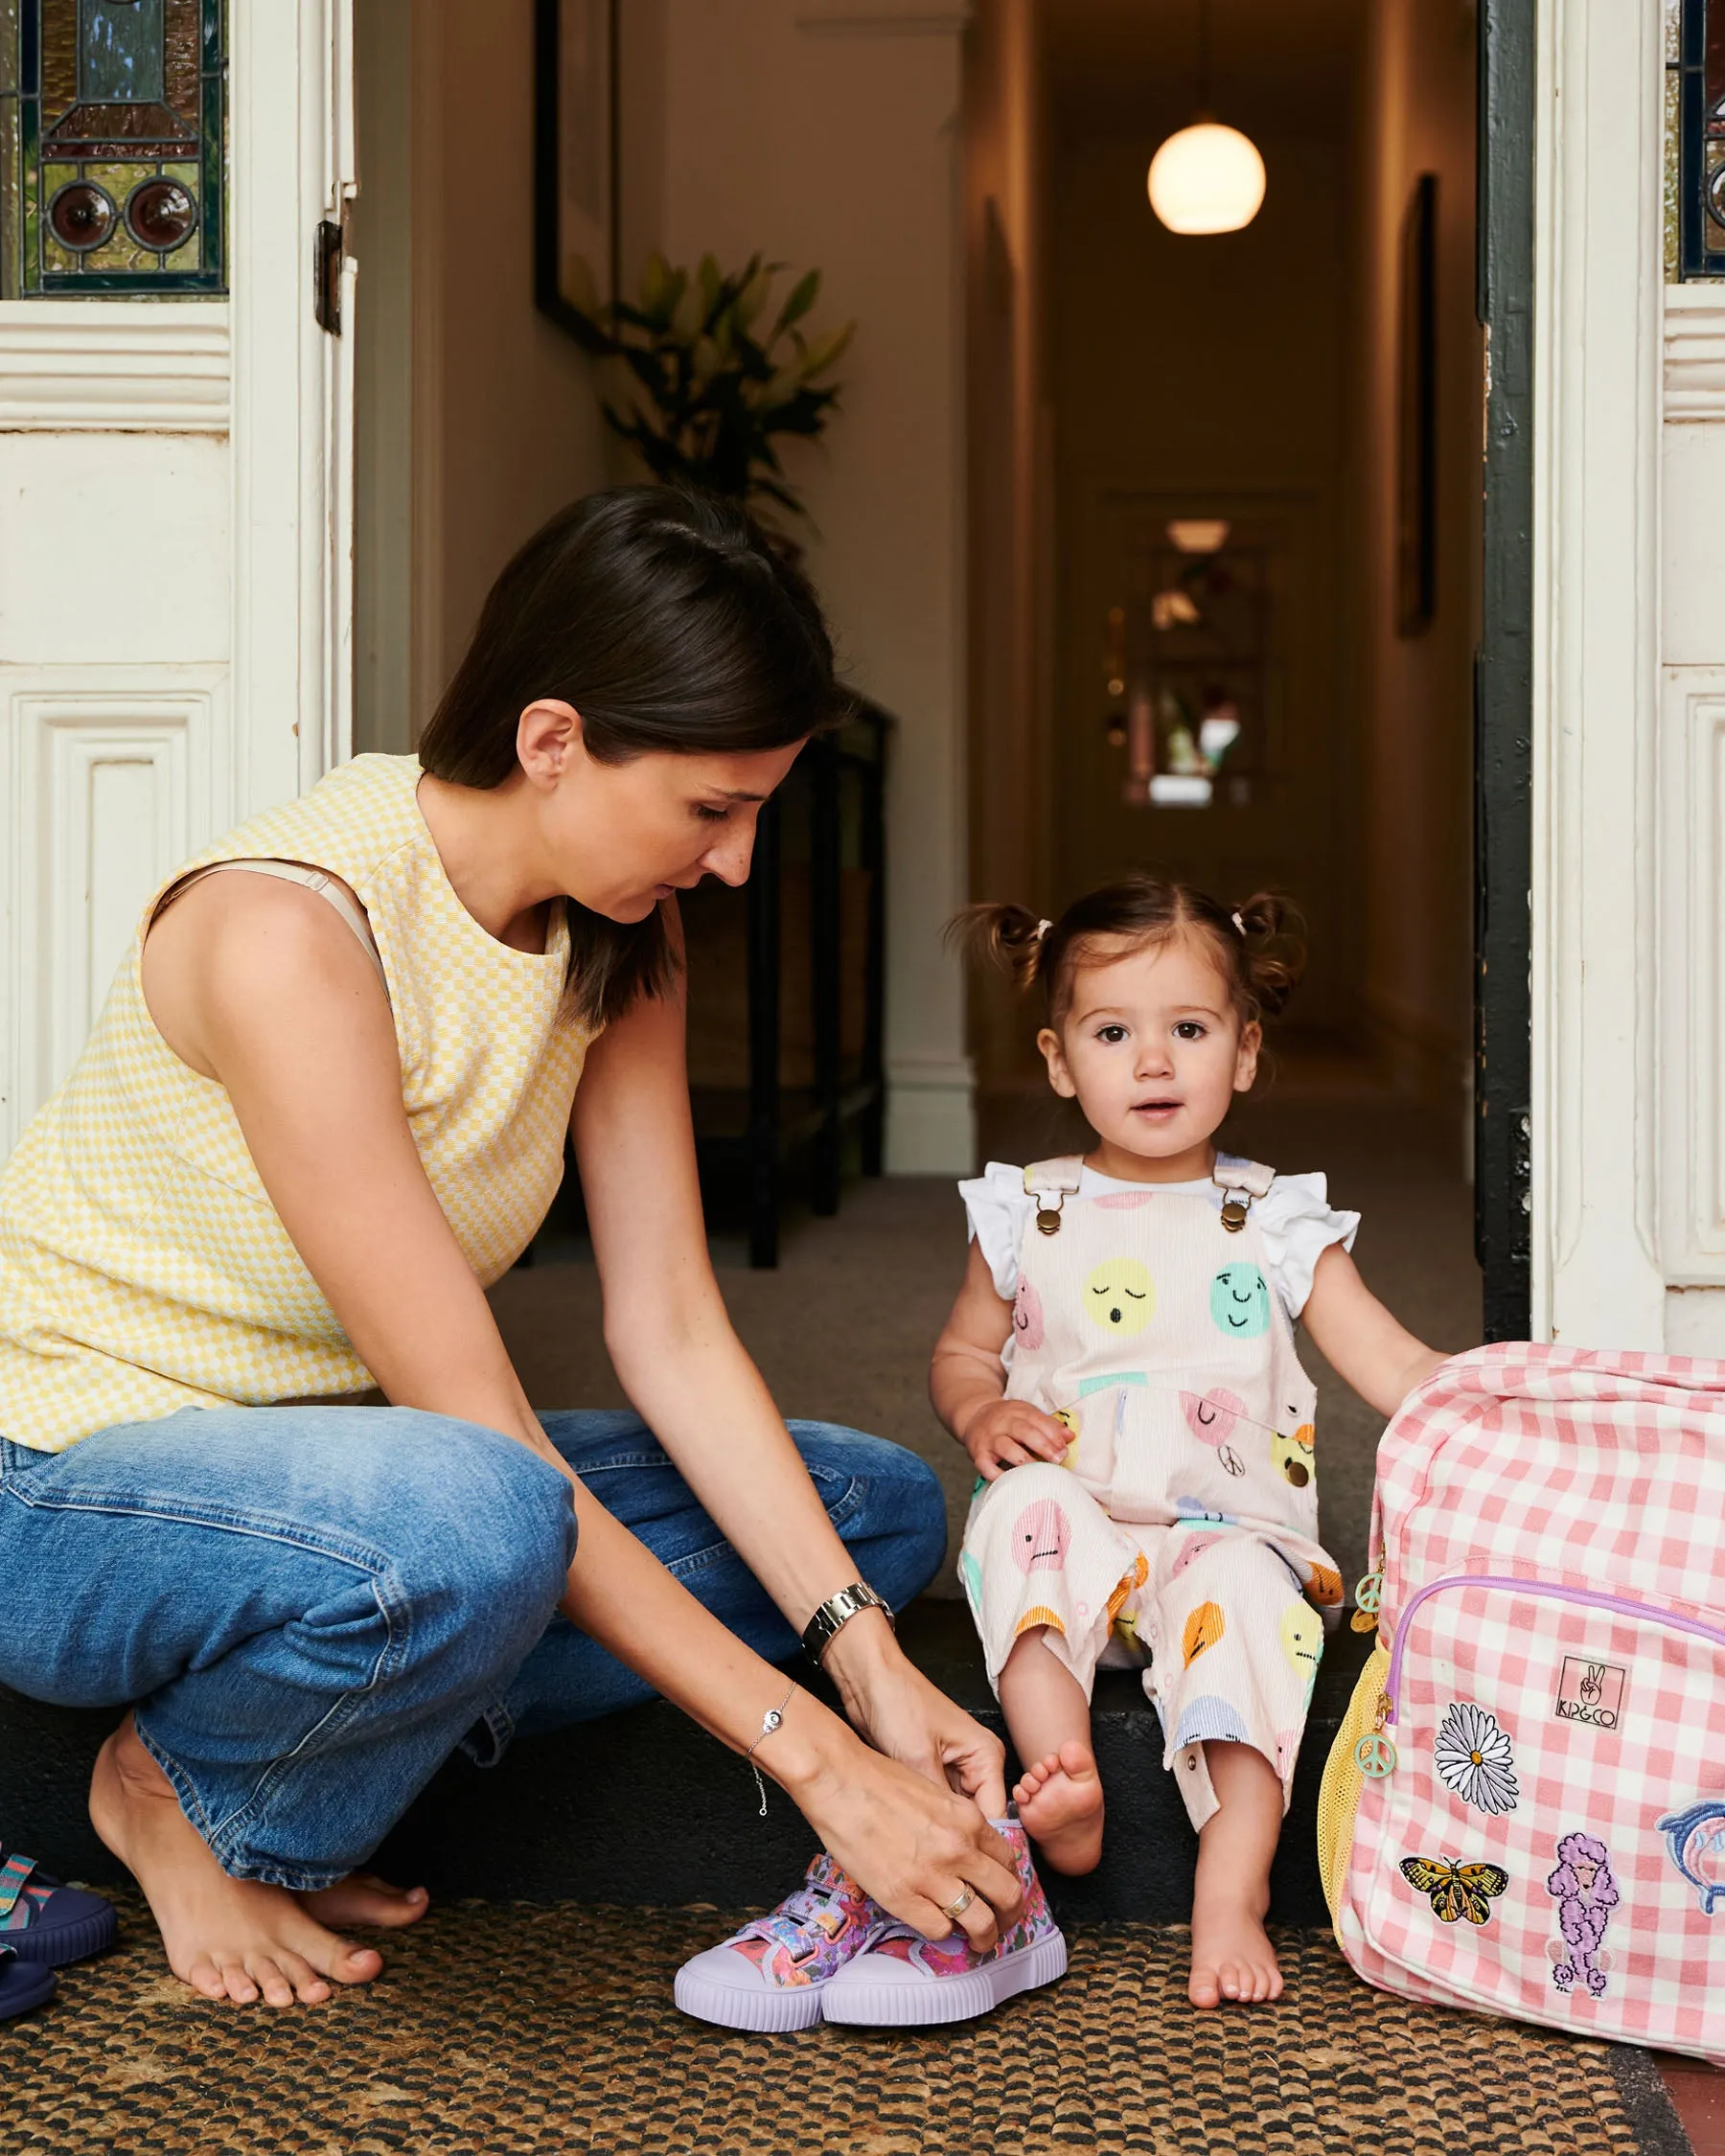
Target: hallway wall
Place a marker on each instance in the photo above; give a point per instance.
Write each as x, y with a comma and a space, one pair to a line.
1205, 373
1416, 104
1009, 462
821, 133
477, 415
825, 133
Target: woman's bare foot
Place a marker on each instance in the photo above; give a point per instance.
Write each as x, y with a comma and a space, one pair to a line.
1060, 1802
1231, 1955
363, 1899
228, 1939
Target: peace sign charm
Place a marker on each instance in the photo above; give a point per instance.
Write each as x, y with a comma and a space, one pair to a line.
1375, 1754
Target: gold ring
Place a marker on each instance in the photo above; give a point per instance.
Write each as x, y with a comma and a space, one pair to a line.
957, 1909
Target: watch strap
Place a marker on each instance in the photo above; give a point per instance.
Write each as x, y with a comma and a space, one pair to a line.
835, 1612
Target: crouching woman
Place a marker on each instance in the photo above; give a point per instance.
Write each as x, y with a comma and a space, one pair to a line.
323, 1108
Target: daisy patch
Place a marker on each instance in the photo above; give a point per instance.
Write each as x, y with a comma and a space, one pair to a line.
1474, 1759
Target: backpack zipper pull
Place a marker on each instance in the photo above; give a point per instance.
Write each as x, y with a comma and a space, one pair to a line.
1368, 1594
1375, 1752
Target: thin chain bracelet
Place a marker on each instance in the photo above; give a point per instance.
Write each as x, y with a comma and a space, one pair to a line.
770, 1721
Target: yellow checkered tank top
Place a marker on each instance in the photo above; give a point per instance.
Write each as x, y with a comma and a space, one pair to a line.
143, 1267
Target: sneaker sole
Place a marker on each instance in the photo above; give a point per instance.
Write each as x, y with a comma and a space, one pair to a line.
769, 2012
56, 1944
922, 2001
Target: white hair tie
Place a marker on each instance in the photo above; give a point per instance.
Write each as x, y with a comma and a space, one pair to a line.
1042, 930
1239, 924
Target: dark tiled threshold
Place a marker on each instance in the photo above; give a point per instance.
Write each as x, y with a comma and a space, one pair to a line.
644, 1808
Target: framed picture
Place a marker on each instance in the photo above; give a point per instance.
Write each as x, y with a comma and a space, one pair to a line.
1416, 414
575, 152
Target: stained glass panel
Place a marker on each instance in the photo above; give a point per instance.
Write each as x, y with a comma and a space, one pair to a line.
113, 148
1697, 105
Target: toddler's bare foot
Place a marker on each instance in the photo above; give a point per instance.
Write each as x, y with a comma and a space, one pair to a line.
362, 1898
228, 1939
1059, 1801
1232, 1958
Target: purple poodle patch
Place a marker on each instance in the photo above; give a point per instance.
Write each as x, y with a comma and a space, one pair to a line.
1585, 1894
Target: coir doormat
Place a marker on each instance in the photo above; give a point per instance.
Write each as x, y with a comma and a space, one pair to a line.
527, 2031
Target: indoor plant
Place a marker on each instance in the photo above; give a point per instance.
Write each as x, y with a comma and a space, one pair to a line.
707, 388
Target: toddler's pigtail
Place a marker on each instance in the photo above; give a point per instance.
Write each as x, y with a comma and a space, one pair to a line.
1273, 949
1010, 937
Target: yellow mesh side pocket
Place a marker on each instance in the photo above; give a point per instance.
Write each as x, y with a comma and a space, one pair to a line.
1339, 1792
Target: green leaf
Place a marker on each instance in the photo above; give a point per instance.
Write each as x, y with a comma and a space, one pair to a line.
783, 496
704, 361
753, 297
803, 295
827, 352
655, 278
687, 313
779, 390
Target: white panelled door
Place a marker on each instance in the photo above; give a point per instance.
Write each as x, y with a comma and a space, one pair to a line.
175, 551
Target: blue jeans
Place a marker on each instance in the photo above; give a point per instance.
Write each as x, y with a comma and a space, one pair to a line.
312, 1607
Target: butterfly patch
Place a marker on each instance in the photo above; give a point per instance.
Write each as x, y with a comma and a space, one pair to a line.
1456, 1890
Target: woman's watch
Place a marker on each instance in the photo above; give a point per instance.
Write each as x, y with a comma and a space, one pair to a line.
833, 1615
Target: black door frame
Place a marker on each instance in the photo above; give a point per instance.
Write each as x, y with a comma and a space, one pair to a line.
1504, 676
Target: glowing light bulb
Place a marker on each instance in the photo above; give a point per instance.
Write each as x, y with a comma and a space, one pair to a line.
1207, 178
1199, 535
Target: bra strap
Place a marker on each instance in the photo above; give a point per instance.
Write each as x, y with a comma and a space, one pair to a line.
317, 880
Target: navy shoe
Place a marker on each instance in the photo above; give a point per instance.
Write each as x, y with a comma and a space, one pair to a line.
23, 1984
42, 1921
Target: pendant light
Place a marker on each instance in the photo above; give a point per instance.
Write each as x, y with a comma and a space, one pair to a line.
1207, 177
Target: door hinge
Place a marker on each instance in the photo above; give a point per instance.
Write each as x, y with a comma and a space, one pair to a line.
328, 253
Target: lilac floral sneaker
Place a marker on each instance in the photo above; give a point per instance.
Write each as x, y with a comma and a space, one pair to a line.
902, 1980
775, 1972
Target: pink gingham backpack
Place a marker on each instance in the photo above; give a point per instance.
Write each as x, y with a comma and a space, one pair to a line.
1525, 1810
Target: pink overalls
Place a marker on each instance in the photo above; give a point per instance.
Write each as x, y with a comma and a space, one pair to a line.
1179, 1532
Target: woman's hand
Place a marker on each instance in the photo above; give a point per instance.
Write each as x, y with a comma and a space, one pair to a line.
1003, 1434
914, 1846
900, 1713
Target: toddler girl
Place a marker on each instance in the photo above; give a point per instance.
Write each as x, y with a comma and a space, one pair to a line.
1120, 1366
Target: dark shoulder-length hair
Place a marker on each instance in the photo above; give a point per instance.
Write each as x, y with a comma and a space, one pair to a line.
670, 622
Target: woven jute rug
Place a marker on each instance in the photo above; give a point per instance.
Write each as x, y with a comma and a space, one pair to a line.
521, 2028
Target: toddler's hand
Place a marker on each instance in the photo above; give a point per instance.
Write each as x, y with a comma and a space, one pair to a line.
1005, 1433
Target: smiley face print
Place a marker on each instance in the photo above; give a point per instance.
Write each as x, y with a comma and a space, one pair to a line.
1040, 1536
1028, 1317
1191, 1549
1294, 1458
1067, 1419
1121, 1297
1204, 1627
1302, 1642
1213, 1418
1240, 1301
